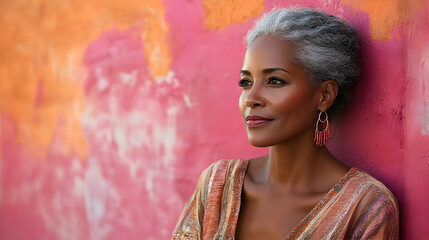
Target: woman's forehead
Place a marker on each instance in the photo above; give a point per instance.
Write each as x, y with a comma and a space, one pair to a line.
270, 51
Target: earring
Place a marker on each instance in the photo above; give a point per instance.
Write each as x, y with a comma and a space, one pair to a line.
321, 137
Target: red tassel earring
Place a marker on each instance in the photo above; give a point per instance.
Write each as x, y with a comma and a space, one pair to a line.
321, 136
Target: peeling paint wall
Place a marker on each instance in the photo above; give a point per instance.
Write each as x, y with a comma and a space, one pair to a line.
111, 109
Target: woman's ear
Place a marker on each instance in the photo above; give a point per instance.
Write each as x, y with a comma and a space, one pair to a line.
329, 91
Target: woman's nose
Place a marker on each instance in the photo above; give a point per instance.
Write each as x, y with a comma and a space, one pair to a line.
254, 98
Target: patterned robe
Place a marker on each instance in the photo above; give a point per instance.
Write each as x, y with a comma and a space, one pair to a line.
357, 207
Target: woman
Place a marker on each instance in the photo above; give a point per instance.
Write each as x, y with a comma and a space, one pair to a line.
300, 67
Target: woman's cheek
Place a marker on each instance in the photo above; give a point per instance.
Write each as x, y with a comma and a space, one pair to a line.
242, 102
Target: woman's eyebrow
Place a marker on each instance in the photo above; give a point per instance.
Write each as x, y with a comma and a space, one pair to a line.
245, 72
269, 70
265, 71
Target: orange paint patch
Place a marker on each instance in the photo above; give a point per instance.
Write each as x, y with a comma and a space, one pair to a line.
42, 46
222, 13
154, 37
385, 14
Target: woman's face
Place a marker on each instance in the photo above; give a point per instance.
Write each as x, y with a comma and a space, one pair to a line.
278, 103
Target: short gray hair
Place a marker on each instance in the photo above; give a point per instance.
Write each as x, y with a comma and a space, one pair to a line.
323, 44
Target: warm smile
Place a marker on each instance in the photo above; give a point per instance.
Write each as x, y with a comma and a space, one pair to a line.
256, 121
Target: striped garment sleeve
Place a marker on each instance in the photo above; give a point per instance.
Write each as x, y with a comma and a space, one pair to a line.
189, 225
379, 215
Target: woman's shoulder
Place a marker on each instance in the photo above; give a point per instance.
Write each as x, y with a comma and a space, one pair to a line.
376, 210
366, 183
360, 207
224, 168
229, 162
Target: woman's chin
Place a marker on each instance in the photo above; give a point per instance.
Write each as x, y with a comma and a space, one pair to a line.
258, 142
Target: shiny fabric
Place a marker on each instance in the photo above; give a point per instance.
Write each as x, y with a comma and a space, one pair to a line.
357, 207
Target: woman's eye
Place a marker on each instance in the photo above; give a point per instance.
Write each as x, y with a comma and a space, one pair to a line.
244, 83
275, 81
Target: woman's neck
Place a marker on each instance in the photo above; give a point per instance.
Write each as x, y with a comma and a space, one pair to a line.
301, 166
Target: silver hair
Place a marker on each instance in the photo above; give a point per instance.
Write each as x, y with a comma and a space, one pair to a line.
323, 44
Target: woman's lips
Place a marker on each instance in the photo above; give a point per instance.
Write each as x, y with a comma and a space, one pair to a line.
256, 121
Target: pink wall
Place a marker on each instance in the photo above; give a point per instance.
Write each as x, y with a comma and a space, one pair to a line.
110, 110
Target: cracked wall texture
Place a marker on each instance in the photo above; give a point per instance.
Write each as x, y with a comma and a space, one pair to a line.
110, 110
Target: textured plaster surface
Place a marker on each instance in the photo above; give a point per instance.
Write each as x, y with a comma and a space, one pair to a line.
110, 110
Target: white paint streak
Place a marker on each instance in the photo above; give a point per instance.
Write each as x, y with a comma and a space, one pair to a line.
129, 79
64, 226
99, 195
149, 184
424, 76
187, 101
121, 139
143, 140
102, 82
151, 125
170, 79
